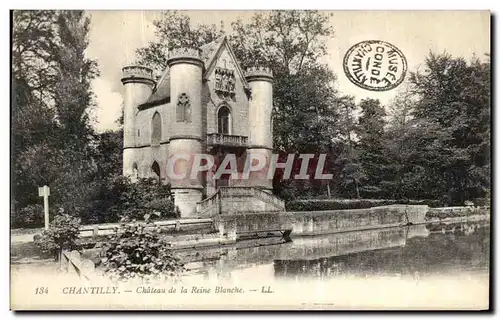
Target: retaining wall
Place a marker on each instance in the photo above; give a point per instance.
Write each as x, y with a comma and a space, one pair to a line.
322, 222
451, 212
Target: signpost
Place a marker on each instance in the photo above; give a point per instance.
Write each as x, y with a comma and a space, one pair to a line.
45, 193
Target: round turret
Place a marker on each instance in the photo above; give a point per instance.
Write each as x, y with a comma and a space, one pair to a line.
186, 130
138, 85
260, 80
259, 74
189, 55
137, 74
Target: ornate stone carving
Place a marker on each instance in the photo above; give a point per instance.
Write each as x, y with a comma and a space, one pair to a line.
137, 71
225, 80
261, 73
183, 110
192, 52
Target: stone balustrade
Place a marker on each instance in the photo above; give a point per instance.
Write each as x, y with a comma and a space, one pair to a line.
208, 206
269, 198
226, 140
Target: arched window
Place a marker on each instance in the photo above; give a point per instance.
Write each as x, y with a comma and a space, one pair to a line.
224, 120
156, 129
183, 109
155, 167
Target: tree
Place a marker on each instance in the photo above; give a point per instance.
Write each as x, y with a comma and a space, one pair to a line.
72, 93
109, 154
371, 133
350, 172
291, 44
454, 95
52, 139
175, 29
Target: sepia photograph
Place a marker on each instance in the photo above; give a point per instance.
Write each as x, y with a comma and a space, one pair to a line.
250, 160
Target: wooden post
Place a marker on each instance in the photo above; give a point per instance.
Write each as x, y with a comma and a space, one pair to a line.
45, 193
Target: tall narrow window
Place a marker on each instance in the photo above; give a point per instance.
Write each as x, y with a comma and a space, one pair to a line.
224, 120
135, 172
156, 129
155, 167
183, 109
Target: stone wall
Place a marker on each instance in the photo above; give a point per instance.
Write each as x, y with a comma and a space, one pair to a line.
318, 222
323, 222
451, 212
233, 224
245, 204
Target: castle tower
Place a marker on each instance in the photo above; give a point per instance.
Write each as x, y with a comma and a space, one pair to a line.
138, 84
260, 108
186, 131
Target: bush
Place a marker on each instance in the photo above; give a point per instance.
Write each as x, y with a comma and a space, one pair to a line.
137, 250
29, 216
61, 235
344, 204
163, 208
146, 196
482, 202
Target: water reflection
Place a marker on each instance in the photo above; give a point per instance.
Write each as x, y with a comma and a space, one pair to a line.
414, 251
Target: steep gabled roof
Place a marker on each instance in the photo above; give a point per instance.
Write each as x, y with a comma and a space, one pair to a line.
209, 53
161, 92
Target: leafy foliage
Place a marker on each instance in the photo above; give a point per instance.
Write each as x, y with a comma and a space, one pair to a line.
132, 201
31, 215
52, 130
370, 131
175, 29
62, 234
454, 97
137, 250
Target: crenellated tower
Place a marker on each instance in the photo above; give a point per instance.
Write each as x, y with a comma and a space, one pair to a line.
138, 84
260, 80
186, 132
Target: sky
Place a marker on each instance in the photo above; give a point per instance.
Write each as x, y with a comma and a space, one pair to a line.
115, 36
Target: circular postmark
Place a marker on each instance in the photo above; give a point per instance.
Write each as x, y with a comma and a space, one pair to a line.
375, 65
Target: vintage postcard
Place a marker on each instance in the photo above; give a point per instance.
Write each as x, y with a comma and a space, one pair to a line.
250, 160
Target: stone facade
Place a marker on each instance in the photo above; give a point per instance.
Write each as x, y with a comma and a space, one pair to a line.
203, 103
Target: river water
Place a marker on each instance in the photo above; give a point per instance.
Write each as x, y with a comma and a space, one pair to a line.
435, 266
419, 267
416, 251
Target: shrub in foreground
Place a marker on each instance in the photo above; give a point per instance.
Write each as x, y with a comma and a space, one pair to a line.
62, 234
137, 250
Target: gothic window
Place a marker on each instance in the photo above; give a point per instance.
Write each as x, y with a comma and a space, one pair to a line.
183, 110
224, 120
156, 129
155, 168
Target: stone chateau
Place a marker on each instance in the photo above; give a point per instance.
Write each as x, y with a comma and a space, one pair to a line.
204, 103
